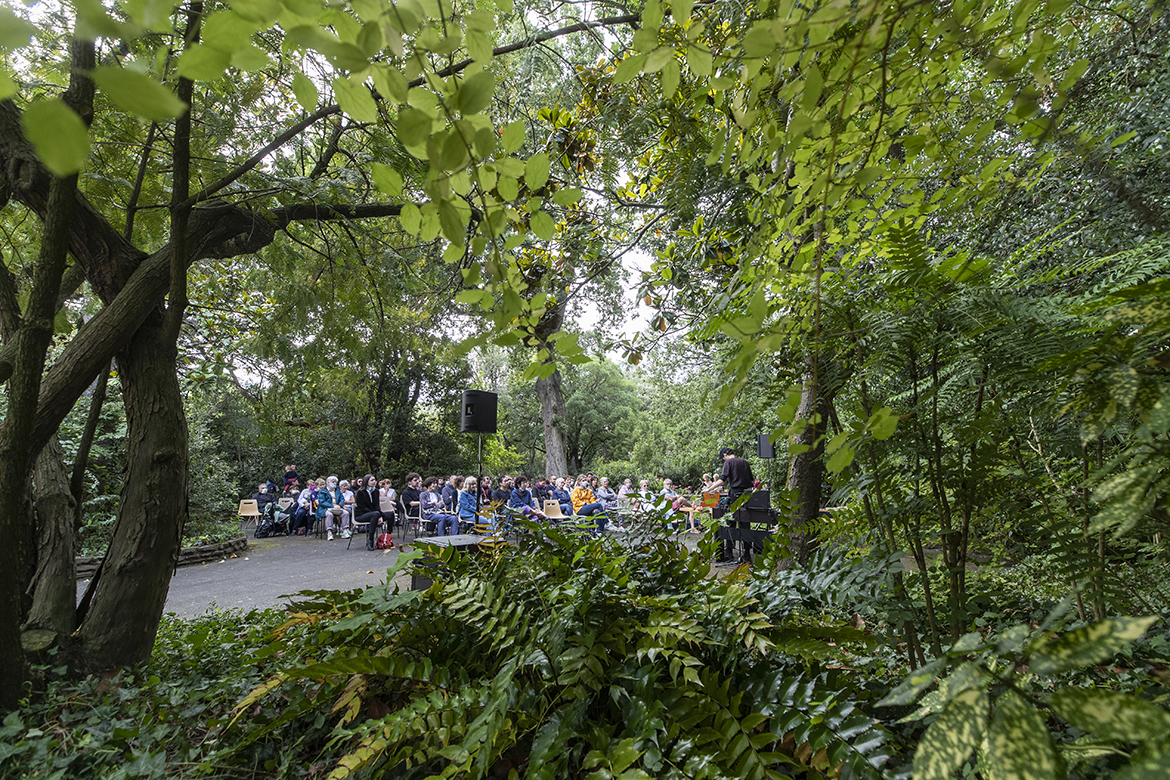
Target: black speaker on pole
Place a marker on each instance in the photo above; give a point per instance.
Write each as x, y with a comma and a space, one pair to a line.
479, 412
767, 449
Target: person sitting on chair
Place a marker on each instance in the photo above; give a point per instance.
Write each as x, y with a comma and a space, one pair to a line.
587, 505
522, 501
561, 494
368, 510
265, 501
467, 503
302, 510
432, 509
338, 513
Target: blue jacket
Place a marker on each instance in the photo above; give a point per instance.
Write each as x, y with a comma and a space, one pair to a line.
324, 501
467, 505
562, 496
520, 498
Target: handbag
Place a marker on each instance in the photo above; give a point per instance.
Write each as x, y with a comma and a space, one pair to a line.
384, 542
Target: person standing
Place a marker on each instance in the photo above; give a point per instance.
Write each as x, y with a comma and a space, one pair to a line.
737, 477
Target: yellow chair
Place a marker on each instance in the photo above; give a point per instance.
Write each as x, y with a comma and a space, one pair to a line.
248, 511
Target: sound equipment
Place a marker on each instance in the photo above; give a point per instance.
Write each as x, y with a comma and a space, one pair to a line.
479, 412
761, 499
766, 448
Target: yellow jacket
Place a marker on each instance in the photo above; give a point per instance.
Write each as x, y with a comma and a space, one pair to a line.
580, 497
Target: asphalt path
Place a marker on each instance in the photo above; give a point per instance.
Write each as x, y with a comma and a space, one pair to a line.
271, 569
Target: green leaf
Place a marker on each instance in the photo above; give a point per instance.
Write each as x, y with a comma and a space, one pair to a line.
918, 681
355, 99
567, 197
475, 93
629, 67
203, 63
680, 10
485, 142
249, 58
952, 738
536, 171
883, 423
1123, 383
1145, 767
137, 93
8, 87
759, 41
1019, 746
699, 61
58, 135
513, 137
390, 82
305, 91
479, 46
813, 83
508, 188
414, 127
1088, 645
411, 219
841, 459
14, 31
657, 59
451, 220
670, 79
387, 180
1112, 715
543, 225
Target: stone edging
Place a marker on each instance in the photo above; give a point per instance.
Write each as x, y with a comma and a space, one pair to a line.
187, 555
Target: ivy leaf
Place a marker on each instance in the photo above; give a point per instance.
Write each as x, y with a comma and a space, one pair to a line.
137, 93
513, 137
953, 737
305, 91
536, 171
1088, 645
1111, 714
1019, 746
58, 135
387, 180
355, 99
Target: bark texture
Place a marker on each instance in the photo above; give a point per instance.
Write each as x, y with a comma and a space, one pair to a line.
806, 473
120, 624
54, 585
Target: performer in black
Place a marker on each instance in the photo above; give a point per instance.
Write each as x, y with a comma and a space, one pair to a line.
737, 476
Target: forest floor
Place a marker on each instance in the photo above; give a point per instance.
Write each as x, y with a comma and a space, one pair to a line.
272, 569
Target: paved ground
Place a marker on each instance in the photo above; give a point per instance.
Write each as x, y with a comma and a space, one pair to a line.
273, 568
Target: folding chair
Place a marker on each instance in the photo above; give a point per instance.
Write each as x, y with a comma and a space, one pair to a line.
249, 511
409, 520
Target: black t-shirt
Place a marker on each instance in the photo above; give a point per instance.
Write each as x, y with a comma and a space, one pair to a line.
410, 495
737, 474
502, 495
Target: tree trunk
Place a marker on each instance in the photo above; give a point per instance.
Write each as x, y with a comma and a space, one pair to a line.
120, 624
552, 415
806, 474
54, 585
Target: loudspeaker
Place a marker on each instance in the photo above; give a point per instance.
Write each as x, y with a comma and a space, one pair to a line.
766, 449
761, 499
479, 412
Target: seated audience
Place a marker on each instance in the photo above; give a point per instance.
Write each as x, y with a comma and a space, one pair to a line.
388, 501
302, 511
586, 504
432, 509
502, 495
265, 501
467, 498
368, 509
450, 494
561, 494
338, 514
522, 501
607, 497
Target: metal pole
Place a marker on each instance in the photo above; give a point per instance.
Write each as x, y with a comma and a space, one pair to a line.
479, 478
